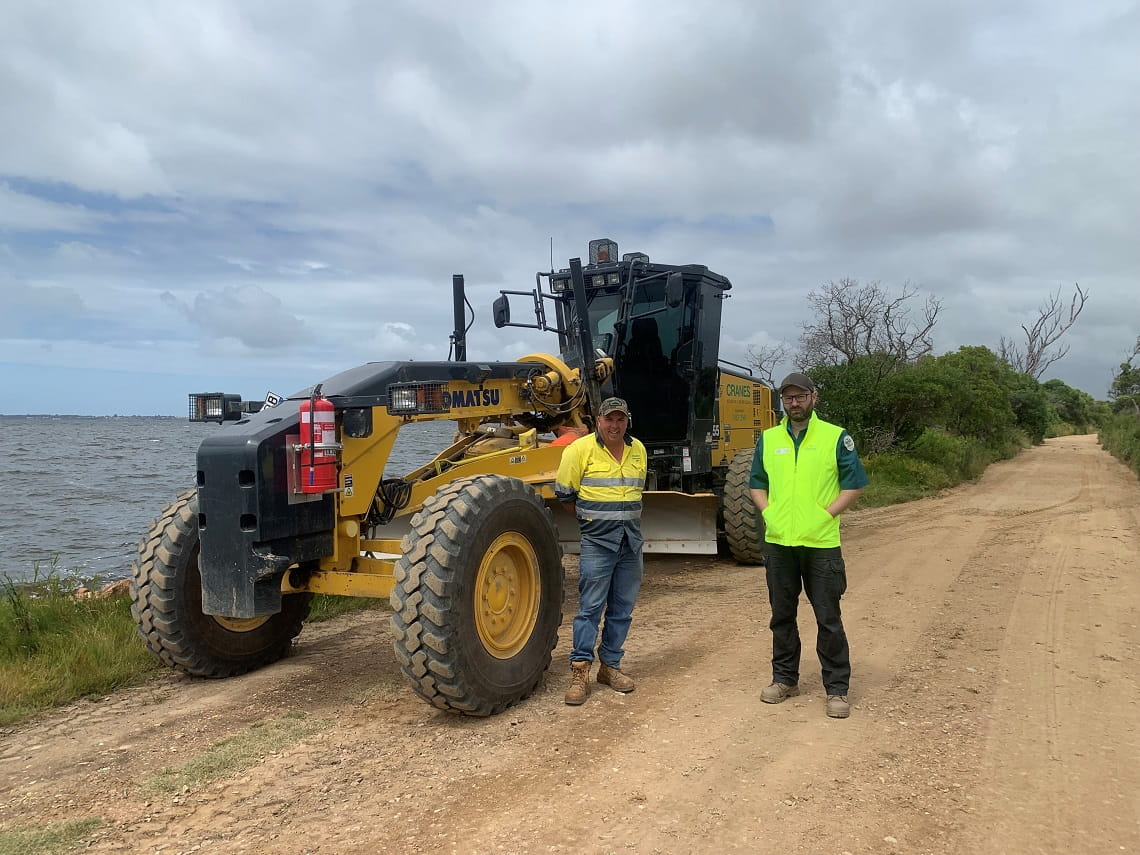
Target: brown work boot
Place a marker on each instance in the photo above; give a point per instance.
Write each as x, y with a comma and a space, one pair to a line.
579, 683
614, 678
837, 706
777, 692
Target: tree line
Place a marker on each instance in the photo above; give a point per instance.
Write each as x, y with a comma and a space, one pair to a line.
871, 353
1120, 434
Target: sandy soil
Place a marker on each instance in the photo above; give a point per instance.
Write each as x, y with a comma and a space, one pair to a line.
995, 633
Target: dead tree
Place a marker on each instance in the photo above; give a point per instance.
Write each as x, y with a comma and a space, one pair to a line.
763, 359
1052, 323
854, 320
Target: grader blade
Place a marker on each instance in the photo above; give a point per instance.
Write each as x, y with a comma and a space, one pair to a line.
670, 522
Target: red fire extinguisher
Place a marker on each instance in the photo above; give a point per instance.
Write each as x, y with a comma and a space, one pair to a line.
318, 444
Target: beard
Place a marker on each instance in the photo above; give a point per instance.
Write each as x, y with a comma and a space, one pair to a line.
805, 413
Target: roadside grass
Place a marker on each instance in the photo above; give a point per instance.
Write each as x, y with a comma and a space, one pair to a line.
326, 607
56, 648
936, 460
232, 755
1120, 437
52, 839
897, 479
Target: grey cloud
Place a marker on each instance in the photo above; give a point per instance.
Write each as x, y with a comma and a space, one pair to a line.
247, 314
343, 164
46, 312
52, 313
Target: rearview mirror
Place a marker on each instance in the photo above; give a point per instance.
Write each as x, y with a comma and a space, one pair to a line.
674, 289
501, 309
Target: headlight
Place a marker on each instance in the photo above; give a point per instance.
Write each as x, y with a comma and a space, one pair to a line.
410, 399
214, 407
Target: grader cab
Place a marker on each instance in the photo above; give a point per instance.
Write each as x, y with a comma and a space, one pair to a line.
298, 498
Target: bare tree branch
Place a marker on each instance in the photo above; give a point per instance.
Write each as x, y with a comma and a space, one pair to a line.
1011, 353
1052, 323
856, 320
764, 359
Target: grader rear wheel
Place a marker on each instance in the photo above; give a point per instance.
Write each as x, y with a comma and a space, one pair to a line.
743, 525
166, 601
478, 596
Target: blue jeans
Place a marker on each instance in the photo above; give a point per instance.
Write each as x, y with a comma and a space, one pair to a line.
607, 581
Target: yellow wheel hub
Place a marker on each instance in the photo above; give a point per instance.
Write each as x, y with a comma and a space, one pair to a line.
507, 589
234, 624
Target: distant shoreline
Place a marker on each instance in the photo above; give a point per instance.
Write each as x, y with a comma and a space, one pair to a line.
77, 416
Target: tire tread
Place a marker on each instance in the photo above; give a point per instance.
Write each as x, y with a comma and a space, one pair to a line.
434, 554
743, 525
161, 612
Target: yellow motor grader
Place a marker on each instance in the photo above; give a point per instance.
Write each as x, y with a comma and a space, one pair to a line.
298, 498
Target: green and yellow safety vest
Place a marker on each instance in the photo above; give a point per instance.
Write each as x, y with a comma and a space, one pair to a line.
801, 485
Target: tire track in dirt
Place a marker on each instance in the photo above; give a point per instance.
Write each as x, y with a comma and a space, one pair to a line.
1061, 748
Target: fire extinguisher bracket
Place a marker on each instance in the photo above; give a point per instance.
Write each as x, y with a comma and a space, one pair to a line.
293, 473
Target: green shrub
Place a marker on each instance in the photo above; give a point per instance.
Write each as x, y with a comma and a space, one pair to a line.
1120, 436
1056, 429
961, 458
939, 448
1030, 406
1010, 445
899, 478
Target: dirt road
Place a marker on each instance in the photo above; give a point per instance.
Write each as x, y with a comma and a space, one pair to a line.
995, 634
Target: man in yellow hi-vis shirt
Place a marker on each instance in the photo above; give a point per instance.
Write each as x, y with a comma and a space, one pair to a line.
600, 478
805, 473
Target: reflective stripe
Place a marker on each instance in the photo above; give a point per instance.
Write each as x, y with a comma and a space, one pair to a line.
612, 482
606, 491
609, 515
592, 508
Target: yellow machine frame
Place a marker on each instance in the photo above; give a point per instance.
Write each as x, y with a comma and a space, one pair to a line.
362, 566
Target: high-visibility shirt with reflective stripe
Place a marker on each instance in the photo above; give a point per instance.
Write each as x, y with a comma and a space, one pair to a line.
606, 492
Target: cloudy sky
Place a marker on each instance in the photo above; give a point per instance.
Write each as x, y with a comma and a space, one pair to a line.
252, 196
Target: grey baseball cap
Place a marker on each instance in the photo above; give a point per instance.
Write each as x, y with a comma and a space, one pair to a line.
801, 381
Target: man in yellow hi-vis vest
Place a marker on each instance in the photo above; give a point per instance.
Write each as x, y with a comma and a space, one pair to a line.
805, 473
600, 478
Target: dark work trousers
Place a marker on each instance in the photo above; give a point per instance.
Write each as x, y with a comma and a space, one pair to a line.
821, 574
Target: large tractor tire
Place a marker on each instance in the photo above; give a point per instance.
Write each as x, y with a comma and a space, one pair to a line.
743, 525
166, 601
478, 596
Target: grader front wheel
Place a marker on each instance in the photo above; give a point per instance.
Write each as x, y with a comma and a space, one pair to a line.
478, 596
507, 586
166, 602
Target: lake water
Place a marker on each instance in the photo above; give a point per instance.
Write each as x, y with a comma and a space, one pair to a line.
82, 491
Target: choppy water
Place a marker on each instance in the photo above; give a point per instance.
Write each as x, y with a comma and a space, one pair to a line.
82, 491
